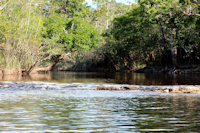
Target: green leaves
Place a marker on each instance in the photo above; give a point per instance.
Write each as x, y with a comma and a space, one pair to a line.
70, 32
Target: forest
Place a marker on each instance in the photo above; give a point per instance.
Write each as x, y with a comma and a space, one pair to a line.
36, 35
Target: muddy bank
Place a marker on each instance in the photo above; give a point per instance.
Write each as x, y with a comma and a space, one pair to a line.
16, 86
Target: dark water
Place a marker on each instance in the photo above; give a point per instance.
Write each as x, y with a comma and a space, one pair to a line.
128, 78
117, 78
98, 111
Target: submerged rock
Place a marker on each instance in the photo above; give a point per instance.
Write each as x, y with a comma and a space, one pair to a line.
121, 88
186, 89
5, 84
14, 86
163, 89
130, 88
178, 89
109, 88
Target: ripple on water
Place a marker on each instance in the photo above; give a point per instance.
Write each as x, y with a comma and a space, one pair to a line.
97, 111
158, 130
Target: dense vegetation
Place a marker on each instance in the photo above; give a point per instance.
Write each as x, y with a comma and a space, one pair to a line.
112, 35
158, 33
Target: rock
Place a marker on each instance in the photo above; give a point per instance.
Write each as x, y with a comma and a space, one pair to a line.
130, 88
175, 89
189, 89
163, 90
186, 89
109, 88
160, 90
166, 90
5, 84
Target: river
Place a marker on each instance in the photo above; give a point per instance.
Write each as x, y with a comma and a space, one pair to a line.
116, 78
87, 110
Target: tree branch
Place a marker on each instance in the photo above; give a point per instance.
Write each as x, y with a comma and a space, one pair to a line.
190, 14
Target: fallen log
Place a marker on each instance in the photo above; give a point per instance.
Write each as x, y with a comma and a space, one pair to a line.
33, 70
45, 69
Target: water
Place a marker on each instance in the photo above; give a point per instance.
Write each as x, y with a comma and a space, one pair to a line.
98, 111
117, 78
77, 110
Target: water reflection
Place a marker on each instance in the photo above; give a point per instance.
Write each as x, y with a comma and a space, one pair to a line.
165, 79
98, 111
118, 78
128, 78
34, 77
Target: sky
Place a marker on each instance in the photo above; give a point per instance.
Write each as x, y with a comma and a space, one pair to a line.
119, 1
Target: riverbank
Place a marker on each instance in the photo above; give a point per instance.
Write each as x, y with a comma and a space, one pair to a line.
179, 70
28, 86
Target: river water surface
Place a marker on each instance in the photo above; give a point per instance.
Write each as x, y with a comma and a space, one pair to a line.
86, 110
116, 78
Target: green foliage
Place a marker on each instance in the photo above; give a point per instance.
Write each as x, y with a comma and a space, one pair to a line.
30, 31
101, 14
69, 8
20, 26
153, 26
66, 29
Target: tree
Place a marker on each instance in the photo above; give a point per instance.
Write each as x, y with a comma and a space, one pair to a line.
156, 30
67, 28
21, 22
189, 7
62, 35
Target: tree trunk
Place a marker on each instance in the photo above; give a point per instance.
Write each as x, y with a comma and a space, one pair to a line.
166, 59
172, 49
45, 69
107, 14
33, 70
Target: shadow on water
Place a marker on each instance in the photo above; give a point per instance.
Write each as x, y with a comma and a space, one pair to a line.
116, 78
